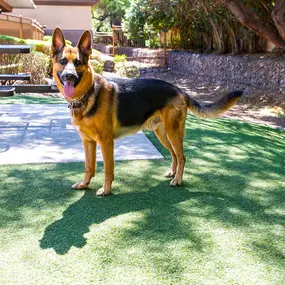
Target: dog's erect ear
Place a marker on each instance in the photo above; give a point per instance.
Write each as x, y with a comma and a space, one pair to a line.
85, 43
58, 41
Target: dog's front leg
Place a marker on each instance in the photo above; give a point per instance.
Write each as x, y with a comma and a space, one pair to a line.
107, 148
90, 164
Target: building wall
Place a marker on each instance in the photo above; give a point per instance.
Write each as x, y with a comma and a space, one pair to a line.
73, 20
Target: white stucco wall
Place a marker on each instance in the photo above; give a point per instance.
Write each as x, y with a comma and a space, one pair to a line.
64, 17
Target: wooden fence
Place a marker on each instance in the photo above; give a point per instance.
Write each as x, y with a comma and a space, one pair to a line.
21, 27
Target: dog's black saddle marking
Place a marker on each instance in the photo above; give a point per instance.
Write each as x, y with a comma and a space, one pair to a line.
138, 99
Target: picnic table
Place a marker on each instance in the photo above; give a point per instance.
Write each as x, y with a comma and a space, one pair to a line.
6, 90
9, 90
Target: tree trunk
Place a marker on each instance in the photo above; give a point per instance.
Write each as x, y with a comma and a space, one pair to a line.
232, 37
254, 22
218, 37
207, 39
278, 16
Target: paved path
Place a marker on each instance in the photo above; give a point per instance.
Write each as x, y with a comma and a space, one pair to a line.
40, 133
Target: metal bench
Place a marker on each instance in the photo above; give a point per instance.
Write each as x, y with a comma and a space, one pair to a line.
6, 77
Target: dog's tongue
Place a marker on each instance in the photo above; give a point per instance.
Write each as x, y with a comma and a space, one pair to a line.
68, 89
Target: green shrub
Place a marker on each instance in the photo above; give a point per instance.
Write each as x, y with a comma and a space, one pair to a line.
49, 39
9, 63
123, 68
120, 59
9, 40
37, 64
97, 66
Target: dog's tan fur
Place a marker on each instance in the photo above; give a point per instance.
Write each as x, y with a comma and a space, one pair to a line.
103, 127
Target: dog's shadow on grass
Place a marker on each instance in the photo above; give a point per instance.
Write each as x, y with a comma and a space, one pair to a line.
69, 231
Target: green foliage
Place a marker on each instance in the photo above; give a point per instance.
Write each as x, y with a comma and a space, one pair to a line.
97, 66
120, 59
135, 20
5, 40
108, 12
123, 68
145, 18
49, 39
37, 63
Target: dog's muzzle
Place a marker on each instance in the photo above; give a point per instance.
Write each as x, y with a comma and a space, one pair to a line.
69, 76
69, 79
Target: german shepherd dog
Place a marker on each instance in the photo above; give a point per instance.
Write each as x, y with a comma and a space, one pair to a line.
103, 110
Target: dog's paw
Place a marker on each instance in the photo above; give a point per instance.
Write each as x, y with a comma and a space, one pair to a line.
169, 174
175, 182
103, 192
80, 185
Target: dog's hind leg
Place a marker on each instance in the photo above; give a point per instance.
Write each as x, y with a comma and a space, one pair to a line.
174, 121
161, 135
90, 164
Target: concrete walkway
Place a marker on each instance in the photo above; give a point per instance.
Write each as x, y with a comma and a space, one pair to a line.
41, 133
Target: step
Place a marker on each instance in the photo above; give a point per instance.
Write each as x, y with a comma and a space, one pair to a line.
7, 77
6, 91
52, 84
35, 88
15, 49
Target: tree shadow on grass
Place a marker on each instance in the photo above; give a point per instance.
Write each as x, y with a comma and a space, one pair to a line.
225, 182
160, 202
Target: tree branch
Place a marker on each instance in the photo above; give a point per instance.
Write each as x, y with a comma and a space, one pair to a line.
278, 16
251, 20
102, 17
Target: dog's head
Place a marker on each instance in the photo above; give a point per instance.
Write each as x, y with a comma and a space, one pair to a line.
72, 71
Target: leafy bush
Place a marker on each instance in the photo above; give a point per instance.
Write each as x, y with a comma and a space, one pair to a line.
120, 59
9, 40
96, 55
49, 39
10, 63
97, 66
123, 68
37, 64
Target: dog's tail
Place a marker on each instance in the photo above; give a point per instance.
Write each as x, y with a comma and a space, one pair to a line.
214, 109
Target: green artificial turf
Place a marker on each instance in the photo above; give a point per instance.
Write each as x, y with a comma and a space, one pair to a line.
31, 99
225, 225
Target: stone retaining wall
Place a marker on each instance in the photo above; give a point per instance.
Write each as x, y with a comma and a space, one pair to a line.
254, 71
247, 71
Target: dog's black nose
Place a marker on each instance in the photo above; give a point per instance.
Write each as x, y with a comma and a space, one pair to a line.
69, 76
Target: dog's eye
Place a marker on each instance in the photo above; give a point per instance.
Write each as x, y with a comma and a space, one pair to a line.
63, 61
77, 62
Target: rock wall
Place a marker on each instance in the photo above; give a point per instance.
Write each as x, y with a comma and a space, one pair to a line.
254, 71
